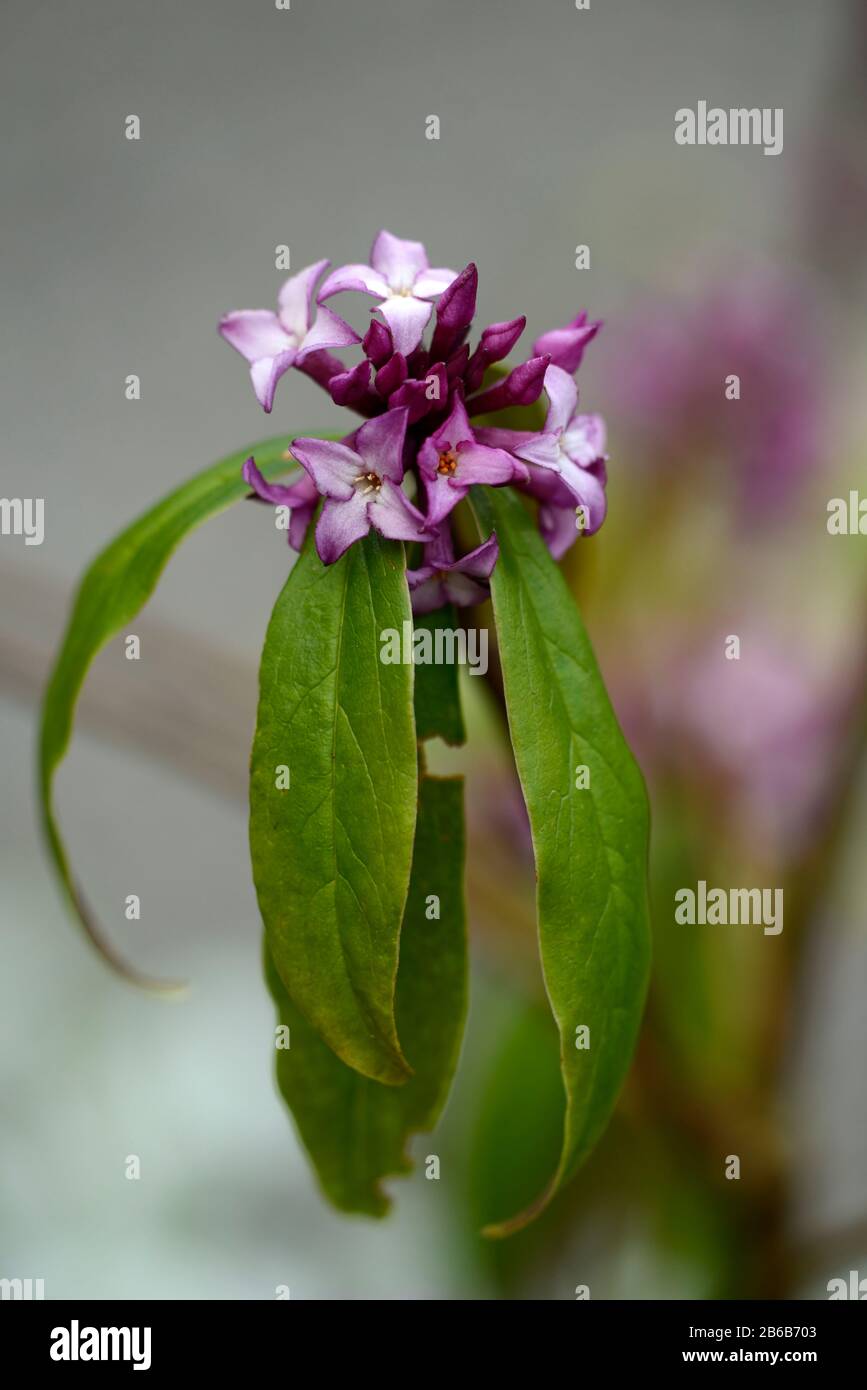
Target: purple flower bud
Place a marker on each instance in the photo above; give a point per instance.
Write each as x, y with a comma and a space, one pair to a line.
351, 387
566, 345
496, 342
522, 386
418, 362
457, 363
377, 343
454, 314
422, 397
391, 376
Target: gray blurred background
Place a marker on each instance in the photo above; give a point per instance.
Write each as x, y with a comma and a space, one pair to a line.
260, 127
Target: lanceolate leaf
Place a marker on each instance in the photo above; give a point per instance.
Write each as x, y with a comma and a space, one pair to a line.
355, 1129
114, 589
333, 797
590, 842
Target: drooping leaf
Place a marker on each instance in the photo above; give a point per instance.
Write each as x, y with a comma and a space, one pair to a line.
114, 589
518, 1132
437, 698
590, 842
332, 851
355, 1129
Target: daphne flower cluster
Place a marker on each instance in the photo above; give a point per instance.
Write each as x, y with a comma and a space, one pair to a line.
427, 434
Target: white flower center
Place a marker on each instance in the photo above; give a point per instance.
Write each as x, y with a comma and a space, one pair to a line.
368, 482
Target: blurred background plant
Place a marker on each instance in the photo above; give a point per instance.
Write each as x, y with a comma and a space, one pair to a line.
753, 1045
717, 530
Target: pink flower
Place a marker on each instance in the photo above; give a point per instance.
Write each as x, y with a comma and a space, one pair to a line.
400, 277
361, 485
451, 460
442, 579
272, 343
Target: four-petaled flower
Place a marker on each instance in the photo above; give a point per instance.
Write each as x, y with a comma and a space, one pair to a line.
451, 460
401, 278
361, 486
442, 579
272, 343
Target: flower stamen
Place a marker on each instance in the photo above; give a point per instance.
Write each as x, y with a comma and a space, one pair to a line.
371, 481
448, 462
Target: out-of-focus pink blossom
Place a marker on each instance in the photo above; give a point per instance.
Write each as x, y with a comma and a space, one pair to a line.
670, 378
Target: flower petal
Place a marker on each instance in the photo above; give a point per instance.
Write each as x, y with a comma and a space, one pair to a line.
462, 591
329, 331
588, 491
332, 466
558, 529
478, 464
300, 496
566, 345
399, 262
454, 430
278, 494
394, 516
433, 282
562, 396
407, 318
443, 495
542, 449
354, 277
584, 439
497, 437
296, 298
380, 444
266, 372
339, 525
414, 578
440, 551
299, 520
478, 563
255, 333
457, 427
428, 593
547, 485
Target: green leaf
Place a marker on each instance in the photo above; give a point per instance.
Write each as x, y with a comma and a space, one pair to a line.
518, 1131
332, 852
354, 1129
114, 589
590, 843
437, 698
